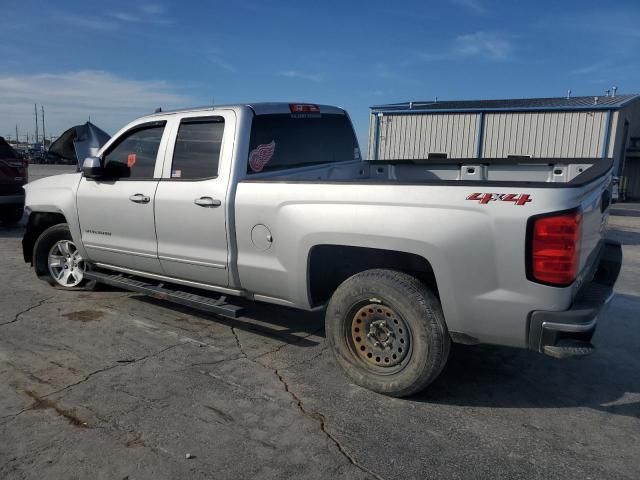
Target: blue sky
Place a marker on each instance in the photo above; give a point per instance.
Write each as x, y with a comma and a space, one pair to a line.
118, 60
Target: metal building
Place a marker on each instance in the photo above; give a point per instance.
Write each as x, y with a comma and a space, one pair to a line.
605, 126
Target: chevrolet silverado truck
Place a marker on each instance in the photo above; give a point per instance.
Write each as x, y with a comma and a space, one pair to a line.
13, 175
272, 202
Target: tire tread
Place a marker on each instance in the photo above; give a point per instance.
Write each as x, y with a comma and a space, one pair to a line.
416, 293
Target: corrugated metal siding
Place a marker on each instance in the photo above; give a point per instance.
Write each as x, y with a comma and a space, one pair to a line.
545, 134
415, 136
613, 144
536, 134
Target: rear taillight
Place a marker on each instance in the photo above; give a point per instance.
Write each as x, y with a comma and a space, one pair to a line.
554, 248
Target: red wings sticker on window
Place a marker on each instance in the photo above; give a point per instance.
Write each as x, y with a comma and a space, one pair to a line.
261, 155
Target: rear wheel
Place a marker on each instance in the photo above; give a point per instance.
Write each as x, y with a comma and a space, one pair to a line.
11, 215
58, 261
387, 332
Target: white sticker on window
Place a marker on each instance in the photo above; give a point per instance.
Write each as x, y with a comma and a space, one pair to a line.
261, 155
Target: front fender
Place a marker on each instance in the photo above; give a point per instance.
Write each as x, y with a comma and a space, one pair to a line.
57, 194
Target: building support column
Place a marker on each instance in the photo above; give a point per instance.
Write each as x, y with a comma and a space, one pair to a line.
480, 135
607, 134
376, 134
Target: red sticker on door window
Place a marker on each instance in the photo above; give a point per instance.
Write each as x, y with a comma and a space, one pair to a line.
261, 155
131, 160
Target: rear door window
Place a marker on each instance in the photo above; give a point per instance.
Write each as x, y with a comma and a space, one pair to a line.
197, 150
134, 154
281, 141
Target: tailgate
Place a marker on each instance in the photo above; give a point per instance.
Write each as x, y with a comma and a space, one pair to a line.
595, 203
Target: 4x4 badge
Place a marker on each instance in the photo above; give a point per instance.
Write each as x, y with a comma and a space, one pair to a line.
516, 198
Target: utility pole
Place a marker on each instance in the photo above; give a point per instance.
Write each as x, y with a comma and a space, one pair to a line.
44, 137
17, 137
35, 108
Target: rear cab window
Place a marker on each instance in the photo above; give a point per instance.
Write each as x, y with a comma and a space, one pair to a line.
197, 150
287, 140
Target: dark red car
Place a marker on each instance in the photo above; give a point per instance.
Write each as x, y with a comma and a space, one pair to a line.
13, 175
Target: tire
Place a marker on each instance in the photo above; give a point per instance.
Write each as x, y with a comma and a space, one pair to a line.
11, 215
54, 244
387, 332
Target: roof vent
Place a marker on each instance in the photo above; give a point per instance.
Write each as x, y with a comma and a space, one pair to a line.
568, 94
606, 93
613, 91
595, 100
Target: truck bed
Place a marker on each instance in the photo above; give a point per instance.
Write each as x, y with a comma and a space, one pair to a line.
434, 210
538, 172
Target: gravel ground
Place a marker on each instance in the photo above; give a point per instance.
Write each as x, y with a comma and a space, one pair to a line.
37, 171
115, 385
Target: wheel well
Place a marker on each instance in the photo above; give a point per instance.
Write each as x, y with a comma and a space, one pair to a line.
330, 265
38, 222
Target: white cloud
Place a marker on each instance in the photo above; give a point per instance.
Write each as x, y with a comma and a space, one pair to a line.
146, 14
124, 17
483, 44
151, 14
86, 21
474, 6
220, 62
312, 77
70, 98
153, 8
589, 69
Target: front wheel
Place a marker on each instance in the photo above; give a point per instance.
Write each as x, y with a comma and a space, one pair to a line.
58, 261
387, 332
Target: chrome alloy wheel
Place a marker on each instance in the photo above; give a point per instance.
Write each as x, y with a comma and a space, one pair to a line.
66, 266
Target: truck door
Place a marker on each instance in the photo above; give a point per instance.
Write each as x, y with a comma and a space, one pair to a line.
116, 212
191, 200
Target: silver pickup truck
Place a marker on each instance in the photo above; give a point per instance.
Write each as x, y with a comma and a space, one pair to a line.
272, 202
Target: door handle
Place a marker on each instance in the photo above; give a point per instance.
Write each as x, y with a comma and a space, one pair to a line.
207, 202
139, 198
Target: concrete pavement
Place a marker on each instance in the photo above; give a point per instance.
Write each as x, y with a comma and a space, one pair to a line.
115, 385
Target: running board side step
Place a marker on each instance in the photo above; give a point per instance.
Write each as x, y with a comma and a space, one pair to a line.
161, 292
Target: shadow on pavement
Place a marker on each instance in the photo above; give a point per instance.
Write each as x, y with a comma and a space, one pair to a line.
499, 377
625, 213
11, 232
279, 323
625, 237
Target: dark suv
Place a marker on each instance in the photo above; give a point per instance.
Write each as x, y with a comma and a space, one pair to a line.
13, 175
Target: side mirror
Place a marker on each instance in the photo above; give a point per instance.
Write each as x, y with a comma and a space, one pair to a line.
92, 167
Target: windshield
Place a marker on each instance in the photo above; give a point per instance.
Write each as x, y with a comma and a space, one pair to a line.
293, 140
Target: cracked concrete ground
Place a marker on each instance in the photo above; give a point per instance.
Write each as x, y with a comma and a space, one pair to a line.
116, 385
